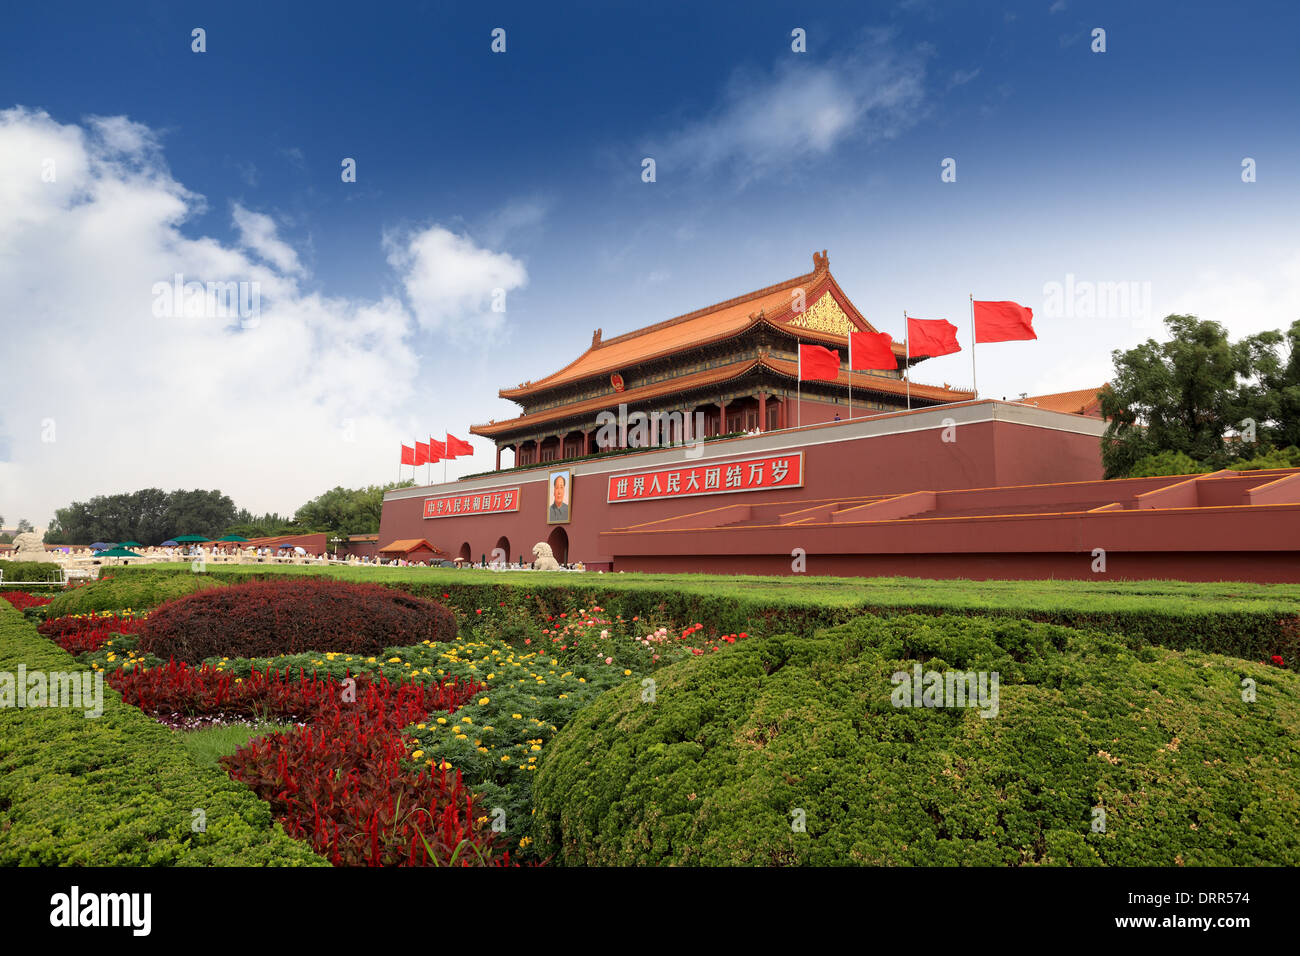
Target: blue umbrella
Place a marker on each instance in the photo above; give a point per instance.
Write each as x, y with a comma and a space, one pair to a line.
99, 546
165, 544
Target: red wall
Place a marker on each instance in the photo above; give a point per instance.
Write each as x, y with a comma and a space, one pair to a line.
987, 443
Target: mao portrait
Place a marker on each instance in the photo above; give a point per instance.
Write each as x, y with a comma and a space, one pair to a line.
559, 497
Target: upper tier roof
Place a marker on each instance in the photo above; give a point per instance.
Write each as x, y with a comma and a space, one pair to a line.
1083, 401
773, 306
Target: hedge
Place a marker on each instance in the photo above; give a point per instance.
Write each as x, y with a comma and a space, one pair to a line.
15, 571
1252, 621
737, 749
117, 790
117, 592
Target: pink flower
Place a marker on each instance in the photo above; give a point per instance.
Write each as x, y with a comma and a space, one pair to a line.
609, 660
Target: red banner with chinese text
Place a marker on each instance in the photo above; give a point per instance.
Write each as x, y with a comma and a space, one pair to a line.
496, 501
708, 478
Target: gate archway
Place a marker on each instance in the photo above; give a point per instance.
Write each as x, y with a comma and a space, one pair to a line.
559, 542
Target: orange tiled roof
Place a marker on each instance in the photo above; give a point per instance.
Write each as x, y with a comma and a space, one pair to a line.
772, 305
878, 383
714, 376
407, 545
1083, 401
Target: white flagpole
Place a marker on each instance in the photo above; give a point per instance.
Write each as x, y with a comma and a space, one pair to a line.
850, 376
973, 381
907, 360
798, 389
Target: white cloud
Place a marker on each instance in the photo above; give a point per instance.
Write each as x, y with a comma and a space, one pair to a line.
257, 233
1244, 303
801, 110
451, 283
315, 393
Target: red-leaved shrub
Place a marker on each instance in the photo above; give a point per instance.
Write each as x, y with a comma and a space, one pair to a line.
339, 783
269, 618
78, 633
22, 600
177, 692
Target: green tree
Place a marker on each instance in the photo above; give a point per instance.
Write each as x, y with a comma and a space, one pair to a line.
1165, 463
24, 526
344, 511
271, 524
149, 516
1185, 395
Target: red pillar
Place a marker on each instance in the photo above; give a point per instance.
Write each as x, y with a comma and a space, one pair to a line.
586, 442
498, 457
722, 418
762, 411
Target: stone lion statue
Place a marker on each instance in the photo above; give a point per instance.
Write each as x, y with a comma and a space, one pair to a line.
28, 547
544, 557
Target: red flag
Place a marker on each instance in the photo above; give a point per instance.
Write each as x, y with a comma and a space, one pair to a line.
456, 447
1003, 322
408, 455
437, 450
421, 453
817, 364
871, 350
931, 337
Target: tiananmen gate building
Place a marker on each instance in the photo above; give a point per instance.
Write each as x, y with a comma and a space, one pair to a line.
691, 445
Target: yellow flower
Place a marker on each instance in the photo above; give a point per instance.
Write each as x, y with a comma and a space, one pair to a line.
524, 842
466, 720
442, 720
417, 754
517, 716
627, 673
482, 701
462, 737
419, 726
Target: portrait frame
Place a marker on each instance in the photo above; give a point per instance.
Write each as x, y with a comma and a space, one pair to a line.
567, 475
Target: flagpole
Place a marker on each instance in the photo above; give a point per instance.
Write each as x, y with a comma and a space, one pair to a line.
907, 359
798, 390
850, 376
973, 381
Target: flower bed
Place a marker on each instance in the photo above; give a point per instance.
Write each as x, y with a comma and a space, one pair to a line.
22, 600
177, 693
342, 781
87, 633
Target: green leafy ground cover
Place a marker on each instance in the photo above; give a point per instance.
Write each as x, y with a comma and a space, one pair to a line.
734, 745
117, 790
1254, 621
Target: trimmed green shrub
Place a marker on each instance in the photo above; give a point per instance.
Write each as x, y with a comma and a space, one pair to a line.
740, 747
1240, 619
117, 592
117, 790
14, 571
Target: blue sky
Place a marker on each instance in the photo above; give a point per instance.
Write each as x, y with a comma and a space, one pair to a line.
521, 170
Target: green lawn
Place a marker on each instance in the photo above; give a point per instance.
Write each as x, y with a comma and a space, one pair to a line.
209, 744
